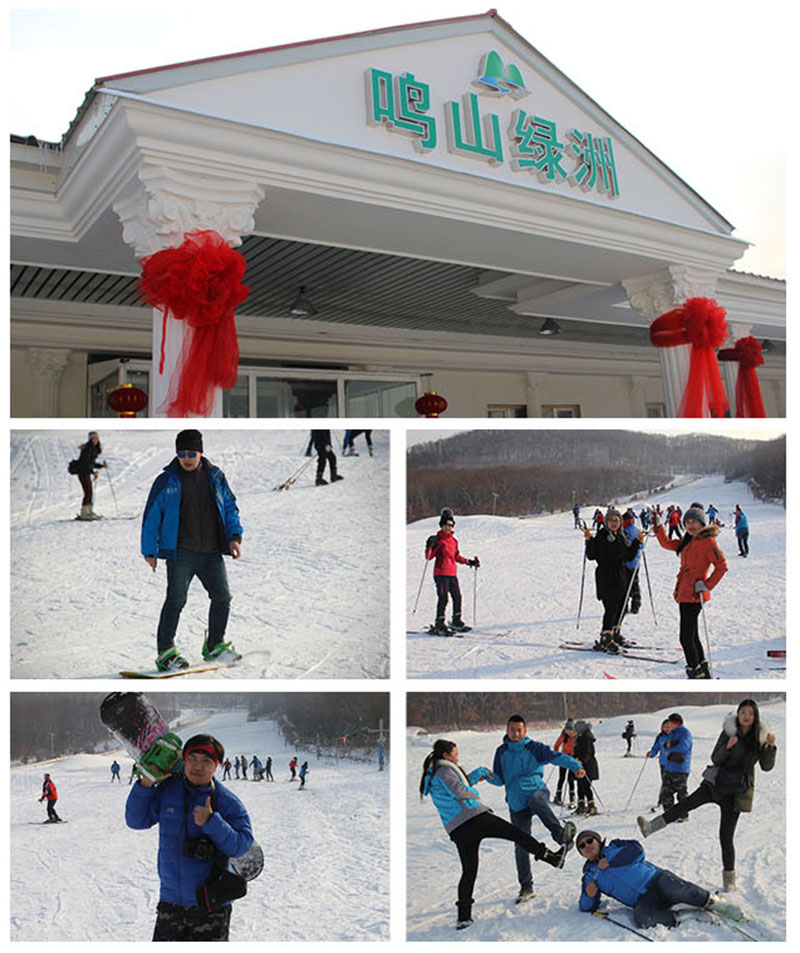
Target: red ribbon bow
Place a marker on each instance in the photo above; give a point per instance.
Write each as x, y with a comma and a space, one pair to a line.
701, 323
748, 353
198, 282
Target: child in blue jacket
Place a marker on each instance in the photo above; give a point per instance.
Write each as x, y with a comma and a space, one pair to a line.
468, 820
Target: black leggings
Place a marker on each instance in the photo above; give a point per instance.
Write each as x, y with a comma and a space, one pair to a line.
613, 606
468, 836
447, 586
689, 636
728, 818
87, 487
565, 773
585, 792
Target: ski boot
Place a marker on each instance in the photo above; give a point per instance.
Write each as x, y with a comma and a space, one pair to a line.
723, 908
459, 625
557, 798
222, 652
439, 628
321, 481
525, 894
651, 827
591, 810
335, 477
572, 804
569, 835
619, 640
171, 660
581, 808
606, 643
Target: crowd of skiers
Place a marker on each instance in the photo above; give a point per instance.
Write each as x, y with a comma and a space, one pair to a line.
261, 770
617, 867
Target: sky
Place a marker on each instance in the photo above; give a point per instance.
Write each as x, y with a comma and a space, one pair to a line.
698, 83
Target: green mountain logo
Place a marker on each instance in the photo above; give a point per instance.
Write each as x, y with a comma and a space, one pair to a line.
495, 76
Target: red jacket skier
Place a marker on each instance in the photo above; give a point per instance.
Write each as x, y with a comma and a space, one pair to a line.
50, 794
443, 547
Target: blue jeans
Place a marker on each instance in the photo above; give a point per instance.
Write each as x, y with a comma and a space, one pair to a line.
538, 806
663, 891
210, 570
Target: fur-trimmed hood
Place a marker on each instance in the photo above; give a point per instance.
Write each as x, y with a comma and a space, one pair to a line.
729, 726
711, 530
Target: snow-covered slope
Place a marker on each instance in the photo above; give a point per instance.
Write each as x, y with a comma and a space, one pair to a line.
690, 850
326, 847
310, 592
528, 589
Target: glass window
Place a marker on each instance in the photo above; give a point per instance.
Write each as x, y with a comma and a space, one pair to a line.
379, 399
235, 400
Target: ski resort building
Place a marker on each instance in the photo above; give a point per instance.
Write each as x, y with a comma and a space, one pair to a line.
433, 207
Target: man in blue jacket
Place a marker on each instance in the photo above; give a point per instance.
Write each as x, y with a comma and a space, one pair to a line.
674, 748
619, 869
200, 825
191, 520
518, 765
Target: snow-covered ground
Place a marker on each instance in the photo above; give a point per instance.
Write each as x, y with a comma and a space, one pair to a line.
528, 589
310, 591
327, 849
691, 850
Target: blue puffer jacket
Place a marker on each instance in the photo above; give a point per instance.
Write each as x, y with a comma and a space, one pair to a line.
632, 533
658, 749
519, 765
455, 801
626, 878
163, 509
741, 524
677, 751
170, 804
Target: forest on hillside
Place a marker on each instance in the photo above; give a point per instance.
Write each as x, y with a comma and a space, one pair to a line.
520, 472
54, 724
454, 711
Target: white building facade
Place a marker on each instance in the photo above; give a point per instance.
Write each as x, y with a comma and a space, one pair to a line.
441, 192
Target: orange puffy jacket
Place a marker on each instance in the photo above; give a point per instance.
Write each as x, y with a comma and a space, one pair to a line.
697, 556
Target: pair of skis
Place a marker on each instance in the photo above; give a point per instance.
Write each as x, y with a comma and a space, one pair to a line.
630, 652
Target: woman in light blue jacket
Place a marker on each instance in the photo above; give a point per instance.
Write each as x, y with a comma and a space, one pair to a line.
468, 820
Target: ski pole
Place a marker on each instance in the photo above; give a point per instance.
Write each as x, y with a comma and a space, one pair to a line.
475, 596
581, 525
419, 591
113, 494
596, 794
604, 916
705, 632
649, 588
634, 574
636, 785
293, 478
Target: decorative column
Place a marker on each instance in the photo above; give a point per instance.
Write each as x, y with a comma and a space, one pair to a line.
167, 205
653, 295
730, 369
533, 394
46, 367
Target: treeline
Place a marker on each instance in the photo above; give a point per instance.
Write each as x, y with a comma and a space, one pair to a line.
453, 711
514, 473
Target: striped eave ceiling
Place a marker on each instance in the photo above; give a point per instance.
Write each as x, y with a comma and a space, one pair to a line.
346, 286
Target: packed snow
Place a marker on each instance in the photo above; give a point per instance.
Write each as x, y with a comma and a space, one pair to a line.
691, 850
310, 591
95, 879
527, 593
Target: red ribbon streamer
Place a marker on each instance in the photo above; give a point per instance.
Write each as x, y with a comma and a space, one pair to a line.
701, 323
199, 282
749, 355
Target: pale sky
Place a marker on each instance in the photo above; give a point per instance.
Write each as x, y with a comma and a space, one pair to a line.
698, 82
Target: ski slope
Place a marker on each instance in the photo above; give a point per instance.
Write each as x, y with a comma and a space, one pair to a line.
310, 591
326, 875
528, 590
691, 850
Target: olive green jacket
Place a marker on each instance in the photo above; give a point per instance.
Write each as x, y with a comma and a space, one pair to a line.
739, 757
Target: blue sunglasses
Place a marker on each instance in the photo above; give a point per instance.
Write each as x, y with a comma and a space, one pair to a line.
191, 454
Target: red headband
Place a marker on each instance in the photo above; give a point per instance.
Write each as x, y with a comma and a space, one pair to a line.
205, 749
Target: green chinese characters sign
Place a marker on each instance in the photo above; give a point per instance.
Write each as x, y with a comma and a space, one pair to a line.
402, 103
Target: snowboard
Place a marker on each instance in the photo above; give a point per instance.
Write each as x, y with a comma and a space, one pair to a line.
133, 720
51, 823
192, 670
250, 864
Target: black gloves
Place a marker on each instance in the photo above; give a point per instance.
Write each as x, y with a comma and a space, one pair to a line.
474, 562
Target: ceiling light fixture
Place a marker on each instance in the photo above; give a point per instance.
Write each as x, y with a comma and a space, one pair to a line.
550, 327
302, 306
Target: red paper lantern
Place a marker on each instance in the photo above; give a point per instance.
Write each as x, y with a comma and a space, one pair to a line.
430, 404
127, 400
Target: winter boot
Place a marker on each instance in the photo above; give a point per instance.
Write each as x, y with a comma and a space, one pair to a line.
459, 625
525, 894
335, 477
171, 660
464, 915
222, 652
371, 452
651, 827
581, 808
85, 513
554, 857
321, 481
723, 908
557, 798
728, 880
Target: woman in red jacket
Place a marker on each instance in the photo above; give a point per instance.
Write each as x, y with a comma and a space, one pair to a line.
443, 547
566, 744
698, 551
50, 794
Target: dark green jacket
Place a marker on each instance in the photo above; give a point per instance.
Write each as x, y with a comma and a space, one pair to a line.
739, 757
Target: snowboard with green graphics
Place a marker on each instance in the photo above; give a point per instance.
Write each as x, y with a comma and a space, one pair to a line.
136, 723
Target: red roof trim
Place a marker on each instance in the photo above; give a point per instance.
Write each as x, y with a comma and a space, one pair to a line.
288, 46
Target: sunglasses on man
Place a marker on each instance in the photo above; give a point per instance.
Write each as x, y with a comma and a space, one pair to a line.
585, 841
191, 454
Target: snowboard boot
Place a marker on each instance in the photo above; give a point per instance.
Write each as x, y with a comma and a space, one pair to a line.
222, 652
459, 625
171, 660
439, 628
728, 880
525, 894
651, 827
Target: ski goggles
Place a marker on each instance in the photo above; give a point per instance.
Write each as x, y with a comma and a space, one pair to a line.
191, 454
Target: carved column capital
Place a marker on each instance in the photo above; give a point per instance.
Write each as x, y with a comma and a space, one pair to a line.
46, 367
168, 203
